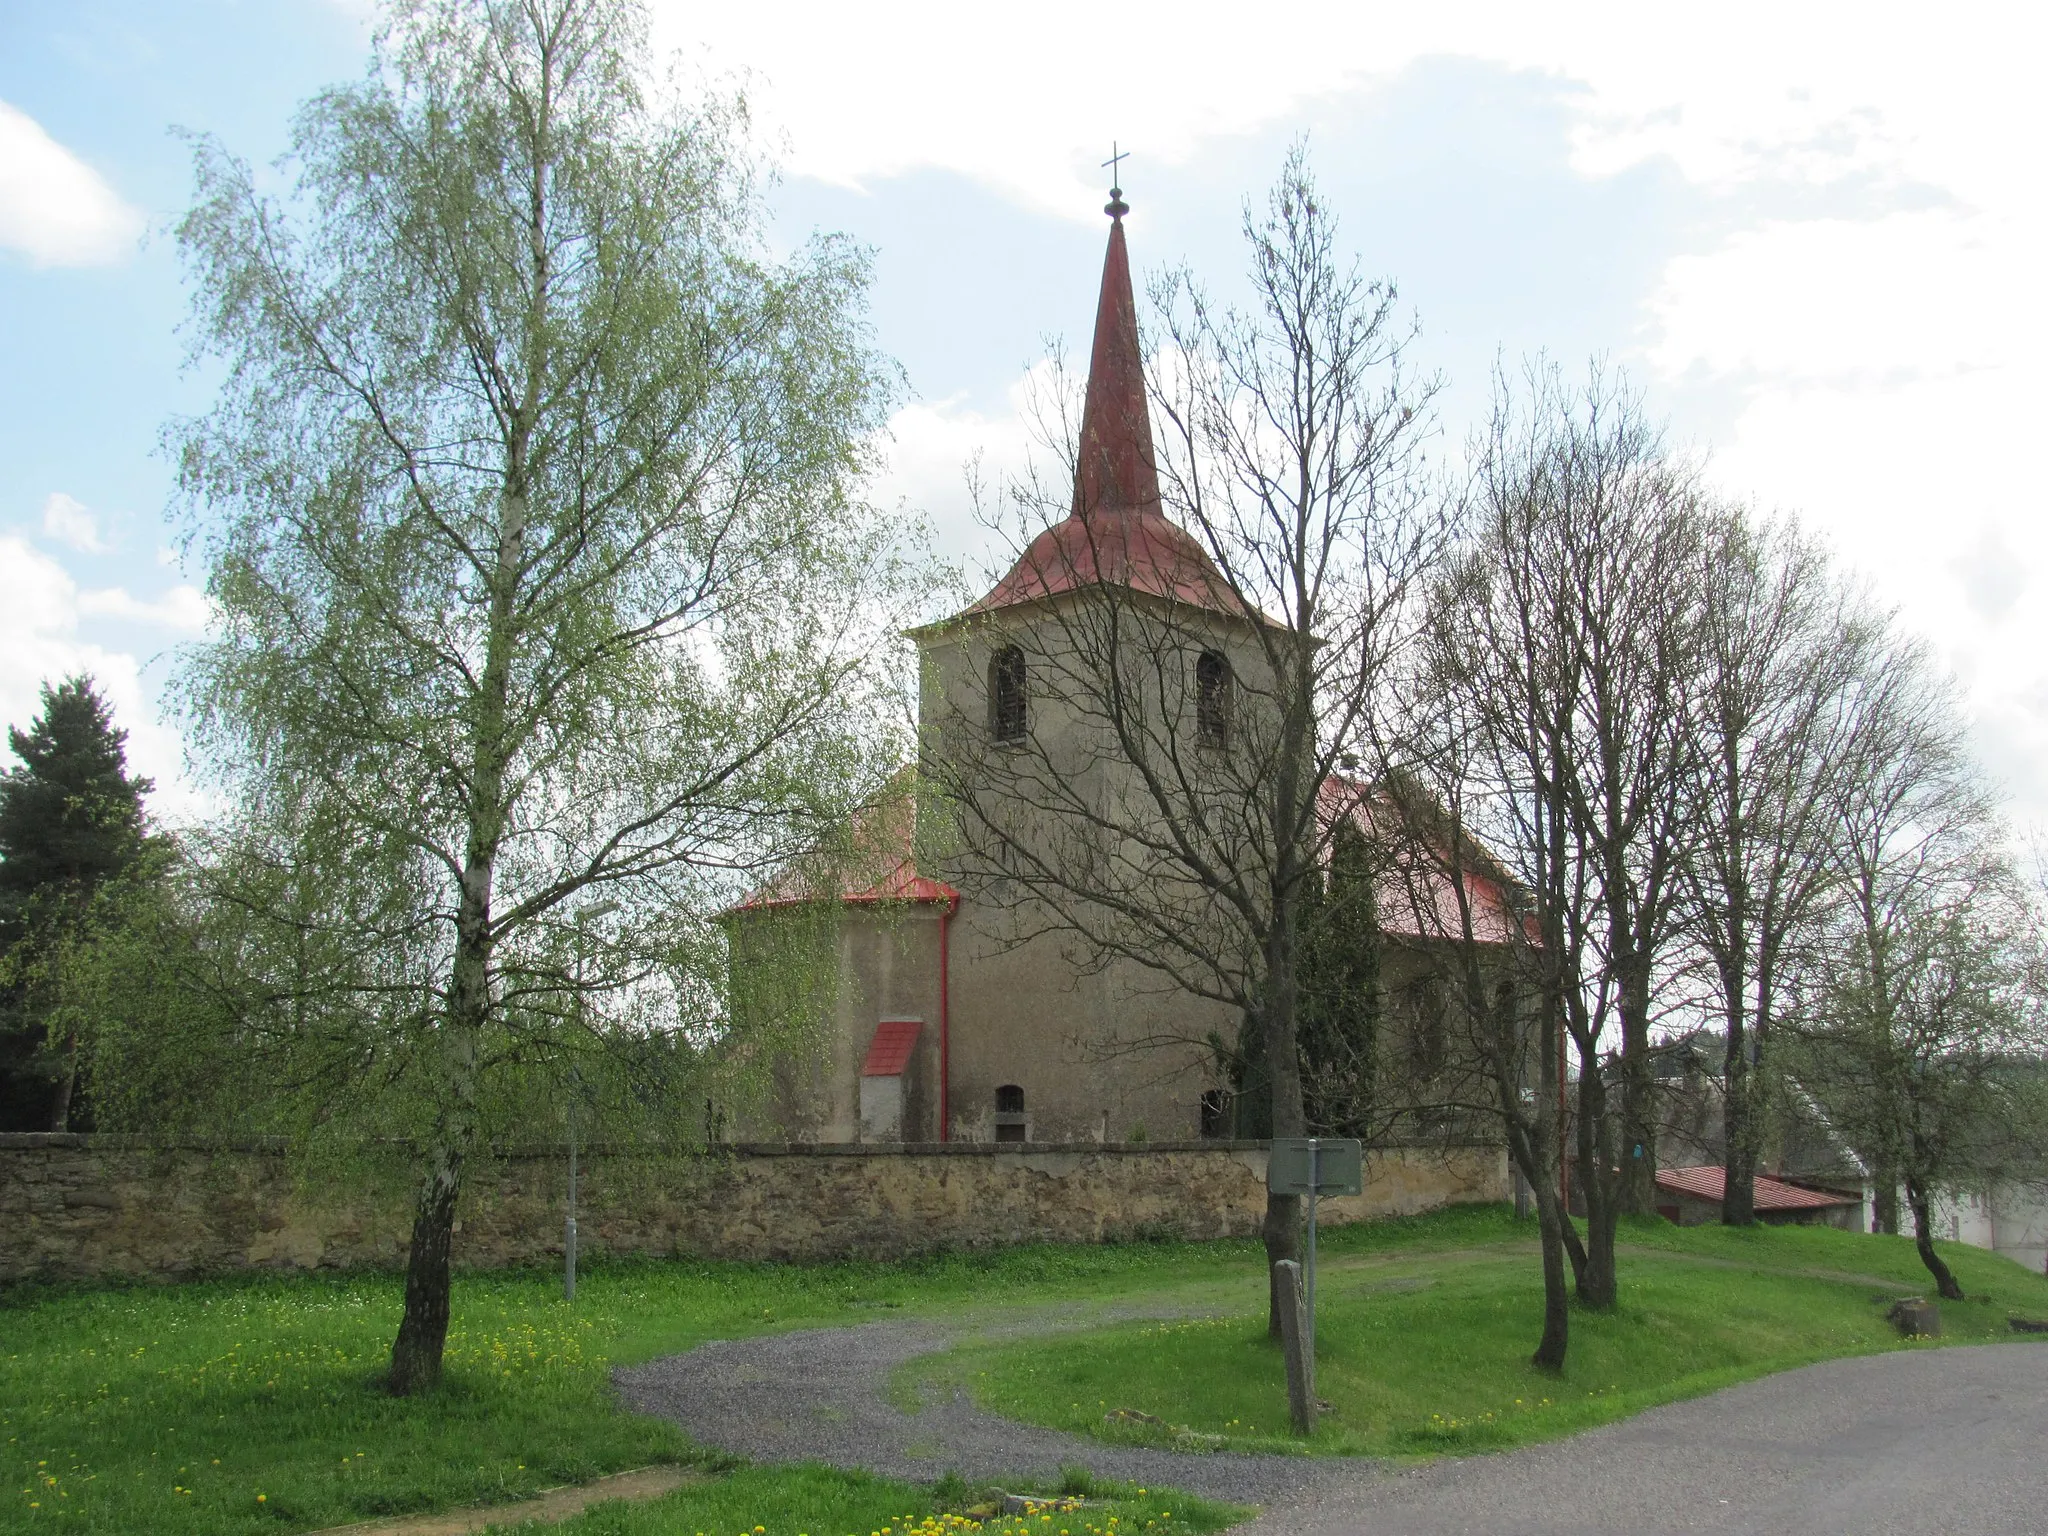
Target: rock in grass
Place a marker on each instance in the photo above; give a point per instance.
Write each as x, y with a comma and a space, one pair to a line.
1916, 1317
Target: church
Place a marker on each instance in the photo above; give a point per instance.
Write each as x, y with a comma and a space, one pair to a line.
958, 1011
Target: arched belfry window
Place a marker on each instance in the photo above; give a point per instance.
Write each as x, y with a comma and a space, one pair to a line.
1212, 699
1008, 701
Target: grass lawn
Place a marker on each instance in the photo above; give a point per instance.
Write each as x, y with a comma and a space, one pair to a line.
248, 1405
1422, 1353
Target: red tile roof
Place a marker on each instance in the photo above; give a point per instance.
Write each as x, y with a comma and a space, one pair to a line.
889, 1052
1139, 550
1413, 893
1116, 535
1771, 1194
883, 866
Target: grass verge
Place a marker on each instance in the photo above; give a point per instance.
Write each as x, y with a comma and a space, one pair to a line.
1423, 1345
817, 1501
249, 1404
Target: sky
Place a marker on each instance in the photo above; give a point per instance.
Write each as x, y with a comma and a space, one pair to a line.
1814, 235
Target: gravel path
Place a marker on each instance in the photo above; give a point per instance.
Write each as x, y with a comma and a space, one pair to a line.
1918, 1441
817, 1395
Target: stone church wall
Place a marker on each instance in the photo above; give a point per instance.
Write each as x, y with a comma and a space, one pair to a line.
80, 1207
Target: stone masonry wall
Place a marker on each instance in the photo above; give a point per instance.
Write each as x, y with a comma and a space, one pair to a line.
85, 1207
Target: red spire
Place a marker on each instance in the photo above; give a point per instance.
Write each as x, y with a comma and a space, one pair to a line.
1118, 535
1117, 472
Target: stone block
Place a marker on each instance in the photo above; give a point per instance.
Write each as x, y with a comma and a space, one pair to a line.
1916, 1317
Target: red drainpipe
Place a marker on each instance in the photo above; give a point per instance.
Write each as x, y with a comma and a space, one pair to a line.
1564, 1167
945, 1032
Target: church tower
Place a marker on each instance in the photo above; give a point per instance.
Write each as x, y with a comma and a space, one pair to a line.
969, 1006
1053, 1038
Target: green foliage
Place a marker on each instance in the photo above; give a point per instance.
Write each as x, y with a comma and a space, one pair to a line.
126, 1394
71, 828
531, 502
1338, 1013
551, 613
1340, 991
71, 814
1431, 1355
1926, 1035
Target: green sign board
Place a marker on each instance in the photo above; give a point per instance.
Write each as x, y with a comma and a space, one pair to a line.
1315, 1165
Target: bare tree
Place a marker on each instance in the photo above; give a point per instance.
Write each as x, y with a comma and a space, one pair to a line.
1163, 805
1782, 644
1479, 921
1569, 646
1926, 1008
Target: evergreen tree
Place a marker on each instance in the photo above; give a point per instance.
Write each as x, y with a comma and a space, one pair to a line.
70, 820
1339, 1008
1340, 992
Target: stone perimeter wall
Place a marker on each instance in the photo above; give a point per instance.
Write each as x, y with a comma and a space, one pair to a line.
92, 1207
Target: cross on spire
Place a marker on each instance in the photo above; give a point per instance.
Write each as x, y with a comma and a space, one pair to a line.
1116, 207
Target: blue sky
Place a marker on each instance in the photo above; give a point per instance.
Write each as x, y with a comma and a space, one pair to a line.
1813, 235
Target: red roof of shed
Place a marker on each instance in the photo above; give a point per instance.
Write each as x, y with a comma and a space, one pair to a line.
1771, 1194
889, 1052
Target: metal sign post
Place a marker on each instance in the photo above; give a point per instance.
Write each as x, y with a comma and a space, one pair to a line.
1314, 1166
569, 1226
1315, 1179
584, 916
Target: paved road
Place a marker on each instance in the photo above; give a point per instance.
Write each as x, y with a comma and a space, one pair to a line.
1948, 1442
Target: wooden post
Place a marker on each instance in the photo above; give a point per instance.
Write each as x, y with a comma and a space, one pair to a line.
1301, 1366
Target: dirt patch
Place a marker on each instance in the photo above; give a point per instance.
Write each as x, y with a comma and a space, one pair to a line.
551, 1505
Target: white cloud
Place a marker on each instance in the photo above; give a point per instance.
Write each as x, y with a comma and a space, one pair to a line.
932, 448
183, 608
1992, 573
1028, 100
1908, 294
40, 642
54, 208
1863, 326
71, 522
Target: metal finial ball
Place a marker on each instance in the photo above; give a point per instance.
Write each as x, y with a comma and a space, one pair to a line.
1116, 207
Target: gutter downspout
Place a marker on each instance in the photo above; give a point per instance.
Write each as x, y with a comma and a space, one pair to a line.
945, 1029
1564, 1167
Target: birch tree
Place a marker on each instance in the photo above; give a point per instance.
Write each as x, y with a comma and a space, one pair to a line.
1924, 1027
531, 501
